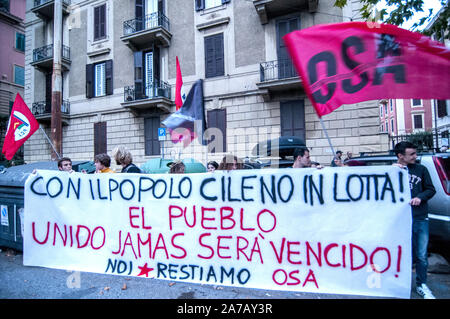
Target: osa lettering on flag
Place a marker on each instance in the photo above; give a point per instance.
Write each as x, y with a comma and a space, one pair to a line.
350, 62
21, 126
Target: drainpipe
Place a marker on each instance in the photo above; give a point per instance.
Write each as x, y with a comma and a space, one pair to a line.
56, 124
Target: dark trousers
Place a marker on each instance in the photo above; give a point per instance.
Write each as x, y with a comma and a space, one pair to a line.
420, 237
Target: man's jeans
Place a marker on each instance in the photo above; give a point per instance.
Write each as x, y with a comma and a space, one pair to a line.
419, 248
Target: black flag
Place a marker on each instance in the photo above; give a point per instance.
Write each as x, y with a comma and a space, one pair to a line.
190, 117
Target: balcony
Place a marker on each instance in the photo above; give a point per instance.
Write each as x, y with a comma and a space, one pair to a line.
269, 9
154, 97
42, 111
43, 58
45, 9
139, 33
278, 76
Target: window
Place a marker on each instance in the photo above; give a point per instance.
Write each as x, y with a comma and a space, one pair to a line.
416, 102
152, 145
206, 4
146, 73
100, 22
442, 108
4, 5
149, 85
392, 126
381, 110
19, 75
391, 105
418, 121
20, 41
214, 56
385, 109
99, 79
217, 119
292, 119
99, 138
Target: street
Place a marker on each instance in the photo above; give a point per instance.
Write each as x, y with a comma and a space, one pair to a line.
20, 282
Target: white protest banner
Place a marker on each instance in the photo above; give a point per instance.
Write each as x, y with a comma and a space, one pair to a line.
344, 230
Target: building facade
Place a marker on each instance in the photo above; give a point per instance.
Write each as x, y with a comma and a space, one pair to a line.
119, 71
12, 61
406, 116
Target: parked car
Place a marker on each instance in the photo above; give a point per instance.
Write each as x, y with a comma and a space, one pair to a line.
275, 153
12, 181
438, 165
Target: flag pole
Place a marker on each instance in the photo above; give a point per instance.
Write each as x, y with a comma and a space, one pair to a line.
326, 134
45, 134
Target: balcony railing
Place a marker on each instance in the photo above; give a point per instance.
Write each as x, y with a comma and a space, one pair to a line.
277, 70
156, 89
41, 2
150, 21
45, 108
46, 52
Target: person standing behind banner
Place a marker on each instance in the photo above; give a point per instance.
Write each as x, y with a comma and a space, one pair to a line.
124, 158
102, 163
230, 162
177, 168
301, 158
422, 190
337, 160
212, 166
65, 164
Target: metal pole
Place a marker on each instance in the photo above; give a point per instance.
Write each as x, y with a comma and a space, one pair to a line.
56, 125
54, 150
435, 125
326, 134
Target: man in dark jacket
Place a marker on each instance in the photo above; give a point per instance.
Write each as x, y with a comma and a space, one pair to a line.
422, 190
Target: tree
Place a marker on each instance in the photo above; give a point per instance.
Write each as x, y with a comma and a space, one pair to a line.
403, 11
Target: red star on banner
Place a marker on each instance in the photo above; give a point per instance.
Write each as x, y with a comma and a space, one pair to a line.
144, 270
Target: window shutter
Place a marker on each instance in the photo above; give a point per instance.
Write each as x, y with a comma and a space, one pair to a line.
100, 138
138, 75
209, 57
219, 62
292, 118
152, 144
109, 77
89, 80
139, 11
156, 63
199, 5
214, 56
48, 92
222, 125
100, 22
217, 119
96, 22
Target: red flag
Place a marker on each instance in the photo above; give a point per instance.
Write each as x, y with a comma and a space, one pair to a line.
351, 62
21, 126
179, 98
